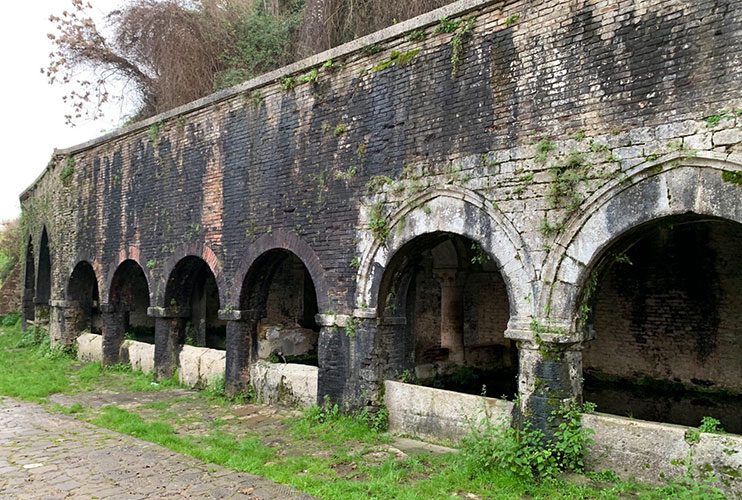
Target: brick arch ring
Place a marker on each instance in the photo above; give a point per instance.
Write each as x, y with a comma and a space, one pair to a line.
280, 239
672, 185
37, 250
97, 270
190, 250
129, 253
457, 211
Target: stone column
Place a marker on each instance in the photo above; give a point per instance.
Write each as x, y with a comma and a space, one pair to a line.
66, 321
550, 369
452, 313
42, 312
114, 324
242, 340
28, 309
550, 377
169, 330
350, 362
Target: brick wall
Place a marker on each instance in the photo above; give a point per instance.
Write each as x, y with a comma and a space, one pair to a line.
539, 88
673, 314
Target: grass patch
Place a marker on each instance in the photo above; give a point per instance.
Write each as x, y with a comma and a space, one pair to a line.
40, 370
321, 452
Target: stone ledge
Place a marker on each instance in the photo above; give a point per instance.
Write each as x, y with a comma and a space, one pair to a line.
238, 315
169, 312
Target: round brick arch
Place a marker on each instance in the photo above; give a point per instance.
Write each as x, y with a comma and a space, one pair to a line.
97, 271
461, 212
200, 251
129, 253
672, 185
281, 240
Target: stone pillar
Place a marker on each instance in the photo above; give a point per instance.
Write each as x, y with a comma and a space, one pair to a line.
66, 321
169, 330
42, 313
28, 309
452, 313
114, 326
242, 348
350, 361
550, 377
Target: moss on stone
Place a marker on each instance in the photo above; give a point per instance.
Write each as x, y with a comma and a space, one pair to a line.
733, 177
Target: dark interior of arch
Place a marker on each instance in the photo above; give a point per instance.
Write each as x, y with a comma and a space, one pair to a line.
130, 295
280, 290
444, 309
44, 278
192, 284
83, 289
29, 284
665, 313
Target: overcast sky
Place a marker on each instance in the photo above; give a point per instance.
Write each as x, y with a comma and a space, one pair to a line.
32, 110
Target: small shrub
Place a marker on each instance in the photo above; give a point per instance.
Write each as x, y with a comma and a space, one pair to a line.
711, 425
69, 168
511, 20
378, 224
340, 129
526, 452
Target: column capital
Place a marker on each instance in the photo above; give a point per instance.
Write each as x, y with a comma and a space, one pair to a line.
169, 312
448, 276
107, 307
545, 331
64, 303
238, 315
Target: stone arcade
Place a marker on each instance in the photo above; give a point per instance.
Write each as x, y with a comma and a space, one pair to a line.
558, 201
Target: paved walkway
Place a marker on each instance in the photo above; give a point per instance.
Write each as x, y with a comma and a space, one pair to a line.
53, 456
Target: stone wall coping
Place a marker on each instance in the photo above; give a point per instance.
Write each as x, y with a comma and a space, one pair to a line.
455, 9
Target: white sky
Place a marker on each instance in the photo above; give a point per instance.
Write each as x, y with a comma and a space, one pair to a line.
33, 122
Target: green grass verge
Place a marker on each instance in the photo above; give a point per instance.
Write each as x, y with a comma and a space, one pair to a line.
39, 370
331, 464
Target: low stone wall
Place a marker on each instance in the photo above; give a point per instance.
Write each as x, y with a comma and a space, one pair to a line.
653, 452
89, 347
140, 355
291, 384
197, 366
285, 383
428, 412
200, 366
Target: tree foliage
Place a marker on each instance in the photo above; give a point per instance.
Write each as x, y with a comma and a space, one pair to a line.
328, 23
10, 247
166, 53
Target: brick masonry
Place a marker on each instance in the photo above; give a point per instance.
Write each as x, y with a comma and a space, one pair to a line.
559, 126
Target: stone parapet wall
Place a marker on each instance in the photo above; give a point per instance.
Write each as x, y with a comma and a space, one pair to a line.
439, 414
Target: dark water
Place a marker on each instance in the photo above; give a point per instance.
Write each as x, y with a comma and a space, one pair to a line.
470, 380
672, 406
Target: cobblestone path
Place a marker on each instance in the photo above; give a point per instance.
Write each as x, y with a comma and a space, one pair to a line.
53, 456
